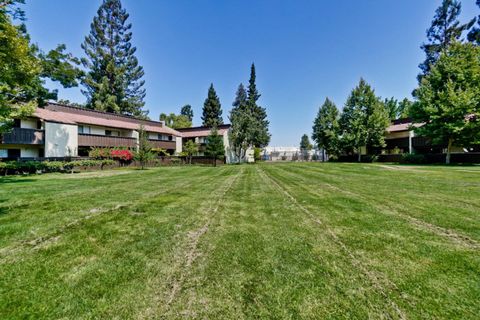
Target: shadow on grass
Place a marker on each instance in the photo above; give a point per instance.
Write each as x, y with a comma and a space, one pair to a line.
16, 179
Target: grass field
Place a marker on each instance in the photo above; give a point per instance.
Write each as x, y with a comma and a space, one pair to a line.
253, 241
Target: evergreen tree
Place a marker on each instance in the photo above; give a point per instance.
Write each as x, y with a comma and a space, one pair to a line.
445, 29
392, 107
448, 104
474, 34
260, 136
114, 79
363, 121
212, 109
240, 97
326, 128
214, 146
187, 111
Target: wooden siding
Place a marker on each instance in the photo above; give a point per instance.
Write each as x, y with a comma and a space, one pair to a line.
91, 140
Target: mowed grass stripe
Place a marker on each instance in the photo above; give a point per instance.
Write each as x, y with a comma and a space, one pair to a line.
100, 268
379, 281
33, 206
424, 266
263, 259
448, 204
383, 205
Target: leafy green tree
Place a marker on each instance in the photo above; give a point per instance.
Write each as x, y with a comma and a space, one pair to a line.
23, 68
448, 99
214, 146
144, 150
175, 121
392, 107
474, 34
190, 148
305, 143
445, 29
241, 118
404, 108
212, 109
187, 111
114, 79
260, 136
363, 121
326, 128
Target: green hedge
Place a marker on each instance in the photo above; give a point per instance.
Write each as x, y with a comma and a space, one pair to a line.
13, 167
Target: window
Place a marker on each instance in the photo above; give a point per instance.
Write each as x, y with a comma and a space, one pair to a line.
84, 129
3, 153
170, 138
159, 136
112, 133
16, 123
13, 153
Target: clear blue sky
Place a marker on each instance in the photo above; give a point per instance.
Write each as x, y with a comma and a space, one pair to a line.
304, 50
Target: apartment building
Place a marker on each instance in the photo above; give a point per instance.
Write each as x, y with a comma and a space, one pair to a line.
59, 131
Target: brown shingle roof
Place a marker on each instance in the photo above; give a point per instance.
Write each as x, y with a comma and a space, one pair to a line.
72, 115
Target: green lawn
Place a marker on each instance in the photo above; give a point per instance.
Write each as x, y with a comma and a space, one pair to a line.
252, 241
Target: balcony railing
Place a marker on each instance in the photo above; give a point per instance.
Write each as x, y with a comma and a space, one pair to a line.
23, 136
168, 145
92, 140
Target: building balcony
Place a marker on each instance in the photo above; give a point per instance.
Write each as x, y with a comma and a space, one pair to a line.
167, 145
92, 140
23, 136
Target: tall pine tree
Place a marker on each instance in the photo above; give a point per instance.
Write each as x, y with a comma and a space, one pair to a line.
114, 79
474, 34
260, 137
212, 109
445, 29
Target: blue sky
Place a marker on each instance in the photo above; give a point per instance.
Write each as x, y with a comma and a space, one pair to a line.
303, 50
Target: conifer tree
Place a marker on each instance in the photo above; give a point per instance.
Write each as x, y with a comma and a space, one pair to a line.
474, 34
215, 148
445, 29
260, 136
114, 79
212, 109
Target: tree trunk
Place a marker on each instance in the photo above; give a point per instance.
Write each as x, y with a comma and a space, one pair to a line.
449, 151
323, 155
359, 155
214, 161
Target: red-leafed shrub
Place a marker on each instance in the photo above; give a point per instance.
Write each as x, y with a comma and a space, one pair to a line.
123, 155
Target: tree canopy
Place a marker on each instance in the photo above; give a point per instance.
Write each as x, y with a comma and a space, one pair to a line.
175, 121
448, 105
212, 109
113, 82
187, 111
326, 128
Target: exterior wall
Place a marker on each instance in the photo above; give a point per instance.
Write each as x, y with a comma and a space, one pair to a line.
178, 145
61, 140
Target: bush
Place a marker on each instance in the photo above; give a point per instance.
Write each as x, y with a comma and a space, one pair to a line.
412, 158
176, 161
53, 166
123, 155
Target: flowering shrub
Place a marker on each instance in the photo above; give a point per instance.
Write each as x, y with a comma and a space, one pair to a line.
124, 155
100, 153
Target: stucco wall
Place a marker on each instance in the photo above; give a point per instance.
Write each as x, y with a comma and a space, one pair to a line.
178, 145
61, 140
